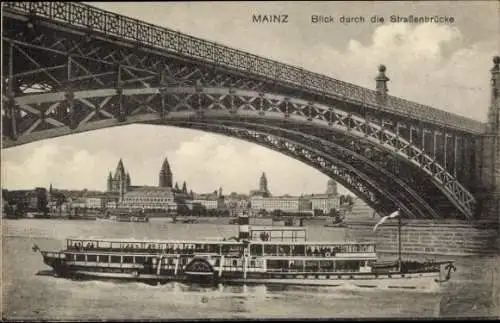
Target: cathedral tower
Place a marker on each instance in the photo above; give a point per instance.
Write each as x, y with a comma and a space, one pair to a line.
165, 176
263, 186
120, 182
331, 187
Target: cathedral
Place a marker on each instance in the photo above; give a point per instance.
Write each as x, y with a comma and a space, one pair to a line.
165, 195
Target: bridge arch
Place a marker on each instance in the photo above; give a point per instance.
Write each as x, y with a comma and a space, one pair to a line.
151, 104
406, 194
354, 179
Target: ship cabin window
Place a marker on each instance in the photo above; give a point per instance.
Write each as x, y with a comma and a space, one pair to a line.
348, 265
92, 258
116, 259
277, 265
128, 259
235, 263
231, 249
326, 265
283, 250
311, 265
298, 250
140, 260
80, 257
256, 250
104, 258
269, 250
252, 263
212, 248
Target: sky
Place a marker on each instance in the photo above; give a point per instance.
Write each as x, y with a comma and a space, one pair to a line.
442, 65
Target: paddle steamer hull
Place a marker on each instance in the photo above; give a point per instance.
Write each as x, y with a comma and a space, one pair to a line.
207, 273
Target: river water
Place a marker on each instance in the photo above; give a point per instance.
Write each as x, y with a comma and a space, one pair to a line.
27, 295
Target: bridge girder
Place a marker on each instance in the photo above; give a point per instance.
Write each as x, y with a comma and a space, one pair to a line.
54, 114
386, 179
352, 178
69, 47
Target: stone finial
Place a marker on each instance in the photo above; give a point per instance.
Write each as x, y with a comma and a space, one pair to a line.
381, 80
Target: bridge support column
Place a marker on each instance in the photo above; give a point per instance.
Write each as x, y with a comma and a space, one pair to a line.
427, 238
445, 236
488, 154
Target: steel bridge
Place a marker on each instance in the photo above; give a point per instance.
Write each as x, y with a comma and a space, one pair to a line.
70, 68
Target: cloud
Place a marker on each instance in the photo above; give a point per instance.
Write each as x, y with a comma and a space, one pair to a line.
427, 63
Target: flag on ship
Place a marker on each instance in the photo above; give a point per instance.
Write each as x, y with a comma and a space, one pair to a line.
385, 218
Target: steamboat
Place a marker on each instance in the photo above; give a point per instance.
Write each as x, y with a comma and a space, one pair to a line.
258, 255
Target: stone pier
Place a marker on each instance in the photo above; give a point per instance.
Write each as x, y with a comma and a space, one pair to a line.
429, 237
451, 237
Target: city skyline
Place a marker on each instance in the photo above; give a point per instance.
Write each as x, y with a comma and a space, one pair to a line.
447, 66
121, 166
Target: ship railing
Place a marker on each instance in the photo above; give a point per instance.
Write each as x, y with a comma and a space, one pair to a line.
313, 271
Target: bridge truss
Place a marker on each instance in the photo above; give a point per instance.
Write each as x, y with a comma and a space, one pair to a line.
69, 68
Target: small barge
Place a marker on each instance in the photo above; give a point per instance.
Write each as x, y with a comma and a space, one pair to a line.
259, 255
124, 217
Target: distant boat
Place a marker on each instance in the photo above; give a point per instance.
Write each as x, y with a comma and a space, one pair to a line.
123, 217
336, 225
336, 222
82, 217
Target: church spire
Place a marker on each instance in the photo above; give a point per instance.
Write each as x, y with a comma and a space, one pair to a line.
165, 176
120, 170
263, 182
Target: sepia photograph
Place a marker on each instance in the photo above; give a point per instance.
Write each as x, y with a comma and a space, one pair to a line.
247, 160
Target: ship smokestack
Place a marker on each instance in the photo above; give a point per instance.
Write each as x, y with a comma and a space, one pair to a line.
243, 226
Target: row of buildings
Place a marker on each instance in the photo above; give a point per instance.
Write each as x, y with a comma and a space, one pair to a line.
262, 199
168, 197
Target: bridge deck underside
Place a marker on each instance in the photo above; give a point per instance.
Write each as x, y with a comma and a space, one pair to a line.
59, 80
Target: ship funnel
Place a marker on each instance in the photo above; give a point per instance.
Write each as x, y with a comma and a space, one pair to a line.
243, 226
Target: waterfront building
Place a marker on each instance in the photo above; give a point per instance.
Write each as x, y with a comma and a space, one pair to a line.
237, 201
285, 203
28, 200
94, 202
327, 201
150, 198
211, 201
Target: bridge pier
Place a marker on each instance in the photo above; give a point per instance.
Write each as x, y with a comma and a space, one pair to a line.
446, 236
428, 237
488, 151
